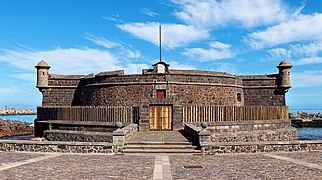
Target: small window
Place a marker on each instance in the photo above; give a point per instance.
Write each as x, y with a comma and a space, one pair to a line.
161, 93
238, 97
43, 73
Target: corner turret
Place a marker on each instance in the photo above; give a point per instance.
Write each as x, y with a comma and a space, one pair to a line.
42, 74
284, 76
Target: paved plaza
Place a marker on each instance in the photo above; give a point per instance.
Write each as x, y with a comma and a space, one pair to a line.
291, 165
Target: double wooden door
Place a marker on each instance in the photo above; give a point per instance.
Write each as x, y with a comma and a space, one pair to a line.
160, 118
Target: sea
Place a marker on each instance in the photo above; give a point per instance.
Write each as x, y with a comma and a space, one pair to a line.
312, 133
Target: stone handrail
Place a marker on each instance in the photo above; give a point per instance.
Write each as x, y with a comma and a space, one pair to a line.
198, 135
121, 135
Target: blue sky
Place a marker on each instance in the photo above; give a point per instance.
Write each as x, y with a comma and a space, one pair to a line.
235, 36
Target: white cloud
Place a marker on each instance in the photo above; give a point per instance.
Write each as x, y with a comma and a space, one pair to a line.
99, 40
226, 67
218, 50
299, 54
10, 90
64, 61
247, 13
178, 65
135, 68
305, 27
306, 79
278, 53
26, 76
123, 50
148, 12
312, 60
173, 35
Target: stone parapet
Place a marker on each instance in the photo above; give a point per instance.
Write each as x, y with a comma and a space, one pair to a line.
56, 146
78, 136
262, 147
121, 135
283, 134
198, 135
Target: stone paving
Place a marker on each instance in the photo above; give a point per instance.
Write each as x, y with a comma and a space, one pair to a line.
294, 165
157, 136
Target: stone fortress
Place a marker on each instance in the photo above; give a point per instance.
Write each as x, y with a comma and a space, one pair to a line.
162, 98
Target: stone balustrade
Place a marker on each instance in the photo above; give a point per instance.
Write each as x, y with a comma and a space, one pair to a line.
197, 134
122, 134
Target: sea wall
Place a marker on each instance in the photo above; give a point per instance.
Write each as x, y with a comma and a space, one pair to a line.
16, 111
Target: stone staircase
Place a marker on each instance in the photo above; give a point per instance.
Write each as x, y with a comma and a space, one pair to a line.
159, 142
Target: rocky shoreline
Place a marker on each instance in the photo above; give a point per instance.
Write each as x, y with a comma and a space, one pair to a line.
14, 128
16, 111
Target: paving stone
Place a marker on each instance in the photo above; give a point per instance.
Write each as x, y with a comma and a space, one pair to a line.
85, 167
8, 157
242, 166
310, 156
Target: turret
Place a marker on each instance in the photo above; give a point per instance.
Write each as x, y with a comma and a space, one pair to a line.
284, 79
42, 74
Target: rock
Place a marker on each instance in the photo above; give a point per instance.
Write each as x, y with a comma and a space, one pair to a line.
14, 128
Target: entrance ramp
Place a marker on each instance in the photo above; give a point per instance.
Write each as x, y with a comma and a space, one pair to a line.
159, 142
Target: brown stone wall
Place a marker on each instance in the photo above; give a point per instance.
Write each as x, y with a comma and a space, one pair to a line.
263, 97
61, 90
59, 97
261, 90
128, 90
128, 95
205, 95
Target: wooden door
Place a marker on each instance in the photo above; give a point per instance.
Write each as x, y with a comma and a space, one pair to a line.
160, 118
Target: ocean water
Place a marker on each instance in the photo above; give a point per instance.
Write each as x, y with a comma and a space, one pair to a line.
313, 133
23, 118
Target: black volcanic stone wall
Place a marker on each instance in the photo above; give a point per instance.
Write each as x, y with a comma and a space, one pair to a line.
261, 91
130, 90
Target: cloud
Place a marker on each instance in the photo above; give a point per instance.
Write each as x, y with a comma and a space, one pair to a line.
312, 60
178, 65
306, 79
135, 68
173, 35
217, 50
299, 54
67, 61
25, 76
303, 28
148, 12
114, 18
124, 50
247, 13
99, 40
10, 90
226, 67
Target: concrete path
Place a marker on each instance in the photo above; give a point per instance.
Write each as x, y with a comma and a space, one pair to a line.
290, 165
162, 168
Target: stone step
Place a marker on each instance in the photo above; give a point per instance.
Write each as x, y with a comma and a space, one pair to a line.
159, 143
165, 146
161, 151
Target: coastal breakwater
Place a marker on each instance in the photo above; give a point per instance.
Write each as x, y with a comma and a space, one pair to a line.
16, 111
303, 119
